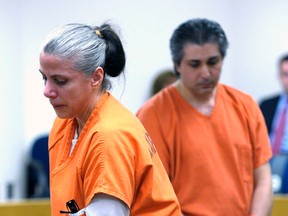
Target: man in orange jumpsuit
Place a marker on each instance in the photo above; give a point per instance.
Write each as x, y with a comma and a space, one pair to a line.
212, 138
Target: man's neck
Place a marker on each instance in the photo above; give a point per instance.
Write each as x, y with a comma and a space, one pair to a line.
203, 103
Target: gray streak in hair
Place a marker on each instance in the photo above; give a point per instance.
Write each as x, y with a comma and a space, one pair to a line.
77, 43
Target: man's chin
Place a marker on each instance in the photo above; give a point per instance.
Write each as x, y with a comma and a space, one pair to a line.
207, 91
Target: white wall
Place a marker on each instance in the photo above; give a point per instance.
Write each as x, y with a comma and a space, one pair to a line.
257, 31
259, 37
11, 101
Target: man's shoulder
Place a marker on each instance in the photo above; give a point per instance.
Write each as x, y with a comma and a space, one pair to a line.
162, 98
234, 94
161, 105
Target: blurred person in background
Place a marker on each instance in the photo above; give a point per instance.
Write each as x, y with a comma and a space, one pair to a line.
162, 80
274, 109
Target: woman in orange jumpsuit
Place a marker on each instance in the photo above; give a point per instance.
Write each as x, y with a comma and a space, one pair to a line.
102, 161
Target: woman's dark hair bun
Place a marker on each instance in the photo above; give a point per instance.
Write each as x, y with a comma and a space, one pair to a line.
115, 56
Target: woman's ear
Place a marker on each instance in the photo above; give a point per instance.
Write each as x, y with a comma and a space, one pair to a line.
97, 77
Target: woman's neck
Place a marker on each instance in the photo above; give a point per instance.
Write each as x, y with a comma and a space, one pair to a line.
82, 119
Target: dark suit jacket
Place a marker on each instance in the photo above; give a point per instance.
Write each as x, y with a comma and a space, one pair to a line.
279, 163
268, 107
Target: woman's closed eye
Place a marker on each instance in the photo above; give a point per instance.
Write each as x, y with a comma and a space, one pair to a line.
44, 79
60, 81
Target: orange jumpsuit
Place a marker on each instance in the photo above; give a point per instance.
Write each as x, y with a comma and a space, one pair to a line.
209, 159
113, 155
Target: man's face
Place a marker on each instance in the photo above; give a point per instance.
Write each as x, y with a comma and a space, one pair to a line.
283, 75
200, 68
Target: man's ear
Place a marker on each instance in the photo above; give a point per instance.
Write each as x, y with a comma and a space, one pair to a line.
176, 68
97, 77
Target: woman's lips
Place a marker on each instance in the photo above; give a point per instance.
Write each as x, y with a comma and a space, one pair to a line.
57, 106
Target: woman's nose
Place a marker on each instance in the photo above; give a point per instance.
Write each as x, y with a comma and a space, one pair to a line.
49, 91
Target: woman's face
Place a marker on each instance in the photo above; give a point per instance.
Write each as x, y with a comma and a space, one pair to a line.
70, 92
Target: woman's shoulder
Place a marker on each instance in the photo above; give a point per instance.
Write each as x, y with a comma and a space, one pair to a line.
59, 129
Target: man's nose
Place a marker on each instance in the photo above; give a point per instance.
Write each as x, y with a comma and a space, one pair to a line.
205, 71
